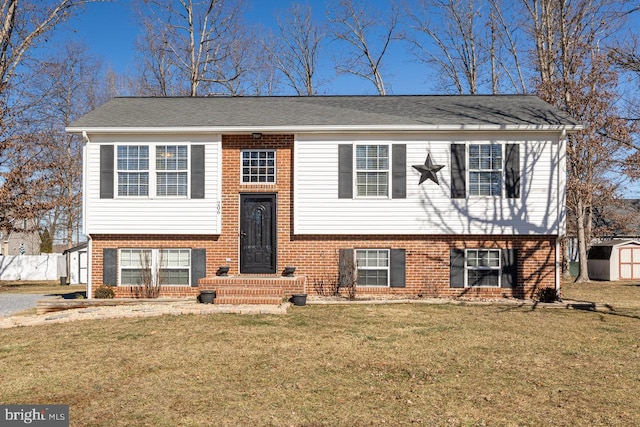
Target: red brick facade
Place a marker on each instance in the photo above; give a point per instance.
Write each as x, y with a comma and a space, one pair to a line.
316, 256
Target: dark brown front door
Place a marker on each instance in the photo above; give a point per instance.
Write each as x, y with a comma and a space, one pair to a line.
258, 233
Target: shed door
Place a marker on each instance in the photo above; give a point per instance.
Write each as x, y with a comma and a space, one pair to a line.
630, 263
82, 265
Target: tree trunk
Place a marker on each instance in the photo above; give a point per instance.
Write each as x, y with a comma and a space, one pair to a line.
583, 275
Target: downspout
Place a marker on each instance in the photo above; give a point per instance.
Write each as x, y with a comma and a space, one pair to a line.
84, 213
89, 267
562, 214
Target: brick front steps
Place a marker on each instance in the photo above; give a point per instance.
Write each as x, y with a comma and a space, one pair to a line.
253, 289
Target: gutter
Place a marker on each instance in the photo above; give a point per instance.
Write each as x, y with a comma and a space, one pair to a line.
317, 129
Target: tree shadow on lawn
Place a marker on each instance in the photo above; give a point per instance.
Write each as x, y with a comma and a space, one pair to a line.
600, 308
70, 295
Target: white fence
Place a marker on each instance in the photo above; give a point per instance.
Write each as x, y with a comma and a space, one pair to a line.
29, 267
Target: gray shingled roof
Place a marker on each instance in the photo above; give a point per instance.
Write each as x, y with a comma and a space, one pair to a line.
325, 111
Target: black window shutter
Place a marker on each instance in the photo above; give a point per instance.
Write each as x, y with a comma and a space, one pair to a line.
398, 268
458, 171
509, 268
109, 266
512, 171
457, 271
399, 171
346, 263
197, 171
345, 171
106, 171
198, 265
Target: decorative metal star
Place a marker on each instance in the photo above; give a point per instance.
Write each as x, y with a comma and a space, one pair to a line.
428, 170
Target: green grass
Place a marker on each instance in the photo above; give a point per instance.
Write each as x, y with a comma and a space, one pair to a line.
450, 365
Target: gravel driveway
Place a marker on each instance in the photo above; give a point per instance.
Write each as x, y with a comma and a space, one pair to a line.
12, 303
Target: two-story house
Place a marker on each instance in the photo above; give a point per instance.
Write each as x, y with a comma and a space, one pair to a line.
420, 195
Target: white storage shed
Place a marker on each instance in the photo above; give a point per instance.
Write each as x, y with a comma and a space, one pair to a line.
614, 260
77, 263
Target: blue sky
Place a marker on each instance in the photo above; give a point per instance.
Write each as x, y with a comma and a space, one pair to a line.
110, 30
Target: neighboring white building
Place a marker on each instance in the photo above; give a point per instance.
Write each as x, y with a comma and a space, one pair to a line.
20, 242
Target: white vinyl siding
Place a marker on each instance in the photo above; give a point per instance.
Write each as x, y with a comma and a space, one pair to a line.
428, 208
151, 214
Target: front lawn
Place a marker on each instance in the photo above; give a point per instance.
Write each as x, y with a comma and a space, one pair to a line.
335, 365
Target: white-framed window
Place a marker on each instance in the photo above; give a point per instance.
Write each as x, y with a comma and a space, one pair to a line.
175, 266
258, 167
485, 169
132, 265
482, 267
133, 170
171, 170
168, 266
372, 266
153, 170
372, 170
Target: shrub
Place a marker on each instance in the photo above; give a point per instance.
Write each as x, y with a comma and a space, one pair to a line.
104, 291
547, 295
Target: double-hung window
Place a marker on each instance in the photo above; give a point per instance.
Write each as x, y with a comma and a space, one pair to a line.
175, 266
485, 169
372, 170
373, 267
482, 267
153, 171
133, 263
163, 266
171, 170
133, 170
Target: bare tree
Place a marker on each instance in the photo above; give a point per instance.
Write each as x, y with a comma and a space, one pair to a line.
69, 85
365, 39
295, 49
575, 73
469, 42
23, 25
192, 47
